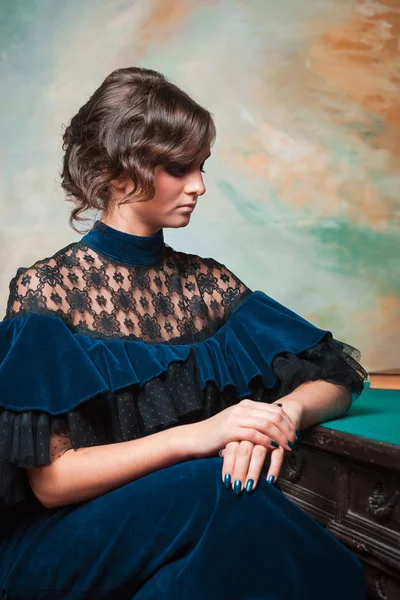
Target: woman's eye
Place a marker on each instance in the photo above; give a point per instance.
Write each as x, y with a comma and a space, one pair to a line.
176, 171
180, 171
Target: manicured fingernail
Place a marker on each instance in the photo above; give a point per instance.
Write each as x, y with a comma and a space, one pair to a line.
227, 480
297, 433
274, 444
238, 486
249, 485
291, 445
271, 479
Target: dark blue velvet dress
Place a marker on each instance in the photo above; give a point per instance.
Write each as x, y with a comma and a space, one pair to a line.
117, 337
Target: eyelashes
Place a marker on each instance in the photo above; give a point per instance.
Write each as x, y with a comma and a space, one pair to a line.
180, 171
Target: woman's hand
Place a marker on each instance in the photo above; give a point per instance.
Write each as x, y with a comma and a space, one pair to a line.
244, 462
262, 424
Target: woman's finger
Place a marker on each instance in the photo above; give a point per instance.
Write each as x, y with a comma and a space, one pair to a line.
276, 432
229, 455
275, 466
258, 457
242, 463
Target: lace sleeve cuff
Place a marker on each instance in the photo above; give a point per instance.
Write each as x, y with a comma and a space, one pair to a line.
329, 360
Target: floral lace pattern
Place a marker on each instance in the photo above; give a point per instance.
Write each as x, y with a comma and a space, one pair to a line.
182, 300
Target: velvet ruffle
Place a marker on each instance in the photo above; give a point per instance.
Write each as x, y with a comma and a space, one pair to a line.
111, 391
245, 347
63, 369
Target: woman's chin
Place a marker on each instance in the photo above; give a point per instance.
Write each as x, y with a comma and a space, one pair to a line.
179, 220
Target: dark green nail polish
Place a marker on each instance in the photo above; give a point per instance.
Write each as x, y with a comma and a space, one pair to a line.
227, 480
297, 433
249, 485
238, 486
271, 479
274, 444
290, 444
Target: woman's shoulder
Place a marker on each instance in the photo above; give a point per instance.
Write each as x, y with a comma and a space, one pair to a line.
62, 257
213, 277
29, 282
197, 263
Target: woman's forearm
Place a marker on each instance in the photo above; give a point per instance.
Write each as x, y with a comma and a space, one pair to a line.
316, 401
83, 474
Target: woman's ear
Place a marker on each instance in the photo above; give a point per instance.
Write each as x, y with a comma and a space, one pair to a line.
122, 184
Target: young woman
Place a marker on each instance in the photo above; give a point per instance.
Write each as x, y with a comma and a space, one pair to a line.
143, 390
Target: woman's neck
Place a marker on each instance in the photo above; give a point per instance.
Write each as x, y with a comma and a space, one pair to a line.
128, 224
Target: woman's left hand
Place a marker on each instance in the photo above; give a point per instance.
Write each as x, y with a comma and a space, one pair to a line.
244, 462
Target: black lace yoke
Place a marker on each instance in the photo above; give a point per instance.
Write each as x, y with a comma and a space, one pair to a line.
182, 300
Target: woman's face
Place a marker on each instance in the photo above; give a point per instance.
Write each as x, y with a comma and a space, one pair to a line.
175, 198
176, 193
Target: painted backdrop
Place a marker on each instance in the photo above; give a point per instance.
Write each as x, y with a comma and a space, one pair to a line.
303, 185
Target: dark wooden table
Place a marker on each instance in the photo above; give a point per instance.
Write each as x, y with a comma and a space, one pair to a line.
351, 485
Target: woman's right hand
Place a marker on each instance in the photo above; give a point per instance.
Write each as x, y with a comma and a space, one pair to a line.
264, 424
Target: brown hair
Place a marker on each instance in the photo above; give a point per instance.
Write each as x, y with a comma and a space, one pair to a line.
135, 120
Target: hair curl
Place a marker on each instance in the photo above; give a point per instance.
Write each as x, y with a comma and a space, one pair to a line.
137, 119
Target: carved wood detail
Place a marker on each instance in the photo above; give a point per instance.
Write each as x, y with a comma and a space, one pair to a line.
352, 486
380, 586
380, 506
295, 468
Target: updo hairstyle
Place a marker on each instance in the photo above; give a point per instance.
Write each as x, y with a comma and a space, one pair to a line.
137, 119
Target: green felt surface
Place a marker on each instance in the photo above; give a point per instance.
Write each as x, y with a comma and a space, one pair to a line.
374, 415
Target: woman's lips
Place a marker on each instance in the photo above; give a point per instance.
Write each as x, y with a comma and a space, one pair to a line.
187, 207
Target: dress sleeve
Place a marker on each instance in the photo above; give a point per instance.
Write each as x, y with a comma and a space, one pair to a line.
330, 360
36, 290
60, 442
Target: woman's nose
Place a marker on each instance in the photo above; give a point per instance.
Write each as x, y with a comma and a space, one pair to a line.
196, 185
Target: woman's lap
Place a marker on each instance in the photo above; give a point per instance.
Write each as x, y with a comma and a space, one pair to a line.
178, 534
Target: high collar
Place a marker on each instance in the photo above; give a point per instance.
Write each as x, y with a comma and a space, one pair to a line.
125, 247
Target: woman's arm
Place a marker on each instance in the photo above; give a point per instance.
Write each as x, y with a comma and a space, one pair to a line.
78, 475
83, 474
316, 401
